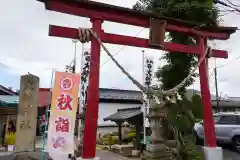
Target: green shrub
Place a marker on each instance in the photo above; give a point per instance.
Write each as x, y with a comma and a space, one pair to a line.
10, 138
198, 120
131, 135
189, 151
108, 139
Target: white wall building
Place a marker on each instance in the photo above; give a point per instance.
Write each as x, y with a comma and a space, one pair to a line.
110, 100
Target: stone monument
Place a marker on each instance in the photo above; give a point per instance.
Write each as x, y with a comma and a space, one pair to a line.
159, 148
27, 114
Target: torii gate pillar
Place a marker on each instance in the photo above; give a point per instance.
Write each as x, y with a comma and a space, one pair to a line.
90, 130
99, 11
210, 150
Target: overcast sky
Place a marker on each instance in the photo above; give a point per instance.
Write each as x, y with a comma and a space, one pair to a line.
26, 47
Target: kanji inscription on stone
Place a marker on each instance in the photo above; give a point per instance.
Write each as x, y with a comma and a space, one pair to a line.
25, 124
27, 114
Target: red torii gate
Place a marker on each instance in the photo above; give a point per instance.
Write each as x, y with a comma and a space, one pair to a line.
98, 12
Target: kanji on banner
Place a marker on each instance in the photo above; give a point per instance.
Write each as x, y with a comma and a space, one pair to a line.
148, 74
63, 113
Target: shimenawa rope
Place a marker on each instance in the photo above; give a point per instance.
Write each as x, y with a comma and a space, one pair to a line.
85, 36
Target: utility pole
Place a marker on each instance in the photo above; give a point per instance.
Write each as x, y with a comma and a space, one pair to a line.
72, 68
216, 86
75, 56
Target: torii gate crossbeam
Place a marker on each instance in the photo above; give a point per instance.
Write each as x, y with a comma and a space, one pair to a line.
98, 12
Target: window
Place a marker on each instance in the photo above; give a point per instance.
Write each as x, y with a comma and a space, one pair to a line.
225, 109
229, 119
216, 119
228, 109
231, 109
237, 109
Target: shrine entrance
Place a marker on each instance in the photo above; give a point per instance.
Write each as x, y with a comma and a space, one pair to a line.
98, 12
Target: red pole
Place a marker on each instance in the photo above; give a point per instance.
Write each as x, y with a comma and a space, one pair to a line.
91, 118
209, 129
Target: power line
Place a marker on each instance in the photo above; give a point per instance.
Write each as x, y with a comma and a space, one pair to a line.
213, 71
121, 49
232, 3
229, 62
71, 67
226, 5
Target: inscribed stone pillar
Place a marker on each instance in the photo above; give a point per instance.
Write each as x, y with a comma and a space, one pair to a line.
27, 114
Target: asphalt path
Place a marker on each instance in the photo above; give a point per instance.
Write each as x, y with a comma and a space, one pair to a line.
228, 153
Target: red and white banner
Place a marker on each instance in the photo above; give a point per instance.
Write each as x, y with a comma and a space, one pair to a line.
63, 113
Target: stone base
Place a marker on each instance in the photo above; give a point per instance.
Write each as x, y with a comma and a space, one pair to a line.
96, 158
26, 156
135, 153
213, 153
156, 147
171, 143
125, 150
2, 149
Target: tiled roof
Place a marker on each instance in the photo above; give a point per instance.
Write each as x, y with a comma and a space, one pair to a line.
226, 103
119, 94
223, 102
124, 114
7, 91
116, 94
12, 100
8, 101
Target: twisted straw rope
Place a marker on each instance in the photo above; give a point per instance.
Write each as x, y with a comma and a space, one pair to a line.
85, 35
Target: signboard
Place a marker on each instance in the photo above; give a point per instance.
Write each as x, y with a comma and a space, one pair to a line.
63, 113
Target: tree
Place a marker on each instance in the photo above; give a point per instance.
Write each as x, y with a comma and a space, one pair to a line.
197, 106
179, 65
18, 91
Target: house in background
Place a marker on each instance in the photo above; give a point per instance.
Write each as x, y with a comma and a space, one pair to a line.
110, 101
226, 104
6, 91
9, 104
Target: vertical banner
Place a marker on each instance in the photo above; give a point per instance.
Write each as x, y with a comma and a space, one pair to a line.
85, 70
148, 73
63, 113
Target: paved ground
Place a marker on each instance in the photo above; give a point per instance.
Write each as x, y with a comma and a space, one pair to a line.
228, 152
105, 155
